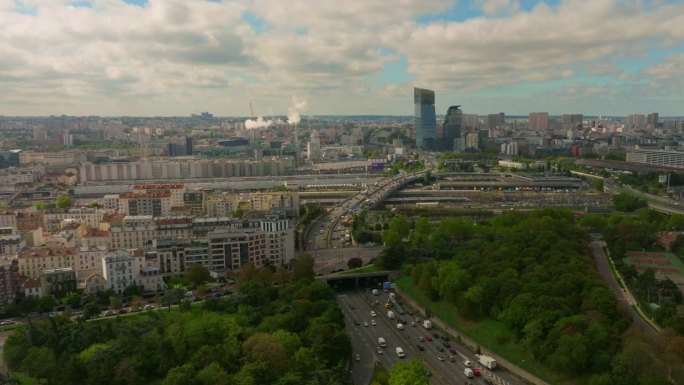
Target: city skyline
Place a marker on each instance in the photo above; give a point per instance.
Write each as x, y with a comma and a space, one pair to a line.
176, 58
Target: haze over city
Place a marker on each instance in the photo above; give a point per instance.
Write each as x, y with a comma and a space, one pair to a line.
172, 57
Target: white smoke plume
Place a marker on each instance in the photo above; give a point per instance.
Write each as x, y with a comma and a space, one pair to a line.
259, 122
297, 105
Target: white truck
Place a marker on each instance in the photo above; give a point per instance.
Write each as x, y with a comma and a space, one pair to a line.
487, 361
400, 352
427, 324
381, 342
390, 314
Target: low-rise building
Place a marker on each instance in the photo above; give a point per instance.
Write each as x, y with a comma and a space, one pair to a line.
31, 288
58, 281
11, 244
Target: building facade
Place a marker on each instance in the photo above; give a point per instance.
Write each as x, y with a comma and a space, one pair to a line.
539, 121
453, 121
425, 118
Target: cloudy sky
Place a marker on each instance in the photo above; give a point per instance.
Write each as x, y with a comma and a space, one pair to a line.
178, 57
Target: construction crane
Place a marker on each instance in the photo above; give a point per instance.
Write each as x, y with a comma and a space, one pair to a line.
251, 108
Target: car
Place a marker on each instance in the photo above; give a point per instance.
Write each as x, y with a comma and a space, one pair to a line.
421, 348
109, 313
446, 344
356, 322
439, 348
476, 371
429, 338
373, 313
379, 350
440, 357
452, 358
365, 323
445, 337
413, 324
421, 339
358, 357
373, 322
467, 363
7, 322
148, 307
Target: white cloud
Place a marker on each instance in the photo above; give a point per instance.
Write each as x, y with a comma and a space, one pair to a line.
497, 7
181, 56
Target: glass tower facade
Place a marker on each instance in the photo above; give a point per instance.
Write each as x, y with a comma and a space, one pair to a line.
452, 127
426, 121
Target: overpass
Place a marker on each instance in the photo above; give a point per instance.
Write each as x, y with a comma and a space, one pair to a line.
359, 280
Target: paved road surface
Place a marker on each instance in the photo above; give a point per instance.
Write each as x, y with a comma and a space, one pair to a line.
604, 269
357, 306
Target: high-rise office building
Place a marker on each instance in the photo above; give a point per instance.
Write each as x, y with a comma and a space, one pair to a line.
495, 120
426, 121
636, 122
571, 121
539, 121
652, 120
453, 121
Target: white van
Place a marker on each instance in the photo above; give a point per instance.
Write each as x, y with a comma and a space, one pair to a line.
400, 326
468, 372
400, 352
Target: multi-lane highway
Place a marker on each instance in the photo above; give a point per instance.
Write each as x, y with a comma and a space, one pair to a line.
357, 307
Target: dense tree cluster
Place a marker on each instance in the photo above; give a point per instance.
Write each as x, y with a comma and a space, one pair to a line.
292, 334
533, 272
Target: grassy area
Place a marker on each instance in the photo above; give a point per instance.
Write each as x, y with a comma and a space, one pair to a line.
380, 375
490, 333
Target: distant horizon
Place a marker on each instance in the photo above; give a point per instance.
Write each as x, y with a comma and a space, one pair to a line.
262, 58
284, 116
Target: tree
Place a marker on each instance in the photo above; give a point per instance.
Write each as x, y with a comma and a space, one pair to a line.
264, 276
197, 274
281, 275
213, 374
39, 363
267, 348
42, 206
115, 303
63, 202
180, 375
303, 268
400, 225
354, 263
408, 373
391, 238
247, 273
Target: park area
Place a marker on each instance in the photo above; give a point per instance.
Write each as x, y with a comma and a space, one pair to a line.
665, 265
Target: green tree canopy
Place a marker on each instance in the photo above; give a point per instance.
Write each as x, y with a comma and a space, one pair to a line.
408, 373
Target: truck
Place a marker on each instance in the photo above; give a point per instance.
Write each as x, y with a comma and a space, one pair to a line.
381, 342
427, 324
487, 361
400, 352
390, 314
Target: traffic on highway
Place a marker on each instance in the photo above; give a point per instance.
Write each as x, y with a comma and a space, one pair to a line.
380, 333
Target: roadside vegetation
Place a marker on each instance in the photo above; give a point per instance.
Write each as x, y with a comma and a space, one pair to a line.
527, 282
286, 335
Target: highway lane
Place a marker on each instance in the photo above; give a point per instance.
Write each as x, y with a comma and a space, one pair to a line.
364, 342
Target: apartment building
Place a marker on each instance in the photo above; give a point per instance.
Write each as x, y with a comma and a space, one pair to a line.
60, 280
117, 270
33, 262
8, 219
93, 239
11, 244
175, 190
157, 204
88, 216
265, 201
9, 279
134, 232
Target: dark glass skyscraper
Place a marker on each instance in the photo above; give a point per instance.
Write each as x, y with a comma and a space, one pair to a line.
426, 121
452, 127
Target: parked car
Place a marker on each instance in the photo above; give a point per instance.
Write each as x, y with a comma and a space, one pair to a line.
7, 322
358, 357
446, 344
429, 338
